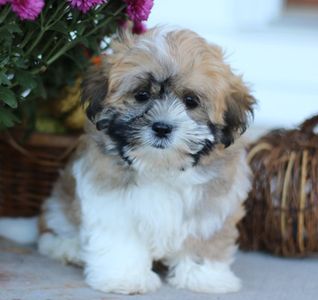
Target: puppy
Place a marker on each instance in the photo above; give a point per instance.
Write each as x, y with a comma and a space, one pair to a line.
160, 174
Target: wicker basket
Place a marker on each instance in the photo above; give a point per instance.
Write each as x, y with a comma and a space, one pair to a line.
28, 170
282, 208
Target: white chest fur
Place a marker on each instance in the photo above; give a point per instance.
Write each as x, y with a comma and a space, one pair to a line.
161, 212
156, 211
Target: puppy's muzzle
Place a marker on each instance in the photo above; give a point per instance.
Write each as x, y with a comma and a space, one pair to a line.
161, 129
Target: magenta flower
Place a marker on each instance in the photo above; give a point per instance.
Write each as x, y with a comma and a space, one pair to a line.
85, 5
139, 27
138, 11
2, 2
27, 9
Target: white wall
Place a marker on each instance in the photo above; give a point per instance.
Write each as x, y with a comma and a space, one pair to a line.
279, 59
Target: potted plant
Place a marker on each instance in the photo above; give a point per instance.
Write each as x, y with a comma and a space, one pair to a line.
45, 47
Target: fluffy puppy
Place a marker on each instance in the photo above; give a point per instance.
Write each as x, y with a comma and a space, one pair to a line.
160, 174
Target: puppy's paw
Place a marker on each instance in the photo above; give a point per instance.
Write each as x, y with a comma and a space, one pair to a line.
64, 249
129, 284
208, 277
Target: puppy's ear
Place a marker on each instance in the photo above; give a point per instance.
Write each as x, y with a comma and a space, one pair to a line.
238, 112
94, 91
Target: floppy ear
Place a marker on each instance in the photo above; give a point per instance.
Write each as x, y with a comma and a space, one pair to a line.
94, 91
95, 84
239, 110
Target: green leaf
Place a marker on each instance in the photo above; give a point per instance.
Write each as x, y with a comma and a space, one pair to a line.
7, 118
4, 79
6, 39
4, 61
8, 97
13, 28
80, 29
4, 34
20, 62
25, 79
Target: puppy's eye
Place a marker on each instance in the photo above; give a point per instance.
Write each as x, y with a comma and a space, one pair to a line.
191, 101
142, 96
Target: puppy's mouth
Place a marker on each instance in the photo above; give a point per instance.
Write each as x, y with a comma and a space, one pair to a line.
161, 143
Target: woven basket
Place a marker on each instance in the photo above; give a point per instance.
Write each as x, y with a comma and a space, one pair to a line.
28, 170
282, 208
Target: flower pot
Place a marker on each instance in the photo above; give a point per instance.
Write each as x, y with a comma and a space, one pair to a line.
28, 170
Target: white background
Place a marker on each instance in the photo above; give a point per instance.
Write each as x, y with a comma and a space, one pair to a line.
275, 48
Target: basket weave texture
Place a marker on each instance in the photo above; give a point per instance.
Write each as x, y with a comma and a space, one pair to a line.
28, 170
282, 207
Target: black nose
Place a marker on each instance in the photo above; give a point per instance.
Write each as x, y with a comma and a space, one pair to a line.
161, 129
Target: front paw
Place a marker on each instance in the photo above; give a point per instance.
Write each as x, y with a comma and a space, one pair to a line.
208, 277
130, 283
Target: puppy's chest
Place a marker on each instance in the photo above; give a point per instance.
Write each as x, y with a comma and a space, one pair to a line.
162, 214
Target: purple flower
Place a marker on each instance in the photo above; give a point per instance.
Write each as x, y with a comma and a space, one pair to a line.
2, 2
139, 27
85, 5
138, 10
27, 9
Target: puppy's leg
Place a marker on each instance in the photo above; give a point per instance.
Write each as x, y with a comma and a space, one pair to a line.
116, 261
204, 265
63, 248
59, 237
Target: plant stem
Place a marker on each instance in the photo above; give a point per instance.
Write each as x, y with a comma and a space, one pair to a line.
37, 40
74, 42
106, 21
27, 38
5, 13
61, 52
57, 45
54, 19
45, 28
47, 46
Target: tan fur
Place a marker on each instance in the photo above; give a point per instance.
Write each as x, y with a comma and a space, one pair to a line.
199, 66
64, 191
42, 225
221, 246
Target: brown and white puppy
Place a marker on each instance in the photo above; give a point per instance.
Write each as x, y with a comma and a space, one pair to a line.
160, 174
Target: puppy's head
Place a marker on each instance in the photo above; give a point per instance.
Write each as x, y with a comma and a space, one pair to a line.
164, 99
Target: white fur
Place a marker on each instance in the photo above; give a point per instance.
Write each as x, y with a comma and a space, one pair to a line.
20, 230
62, 248
205, 276
55, 216
64, 243
157, 46
187, 137
124, 230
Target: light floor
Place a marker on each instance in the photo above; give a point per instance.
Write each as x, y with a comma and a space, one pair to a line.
25, 275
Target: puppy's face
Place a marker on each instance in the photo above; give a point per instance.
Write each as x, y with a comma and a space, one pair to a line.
164, 99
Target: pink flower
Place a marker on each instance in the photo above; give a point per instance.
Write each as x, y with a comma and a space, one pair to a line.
139, 27
85, 5
2, 2
138, 10
27, 9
